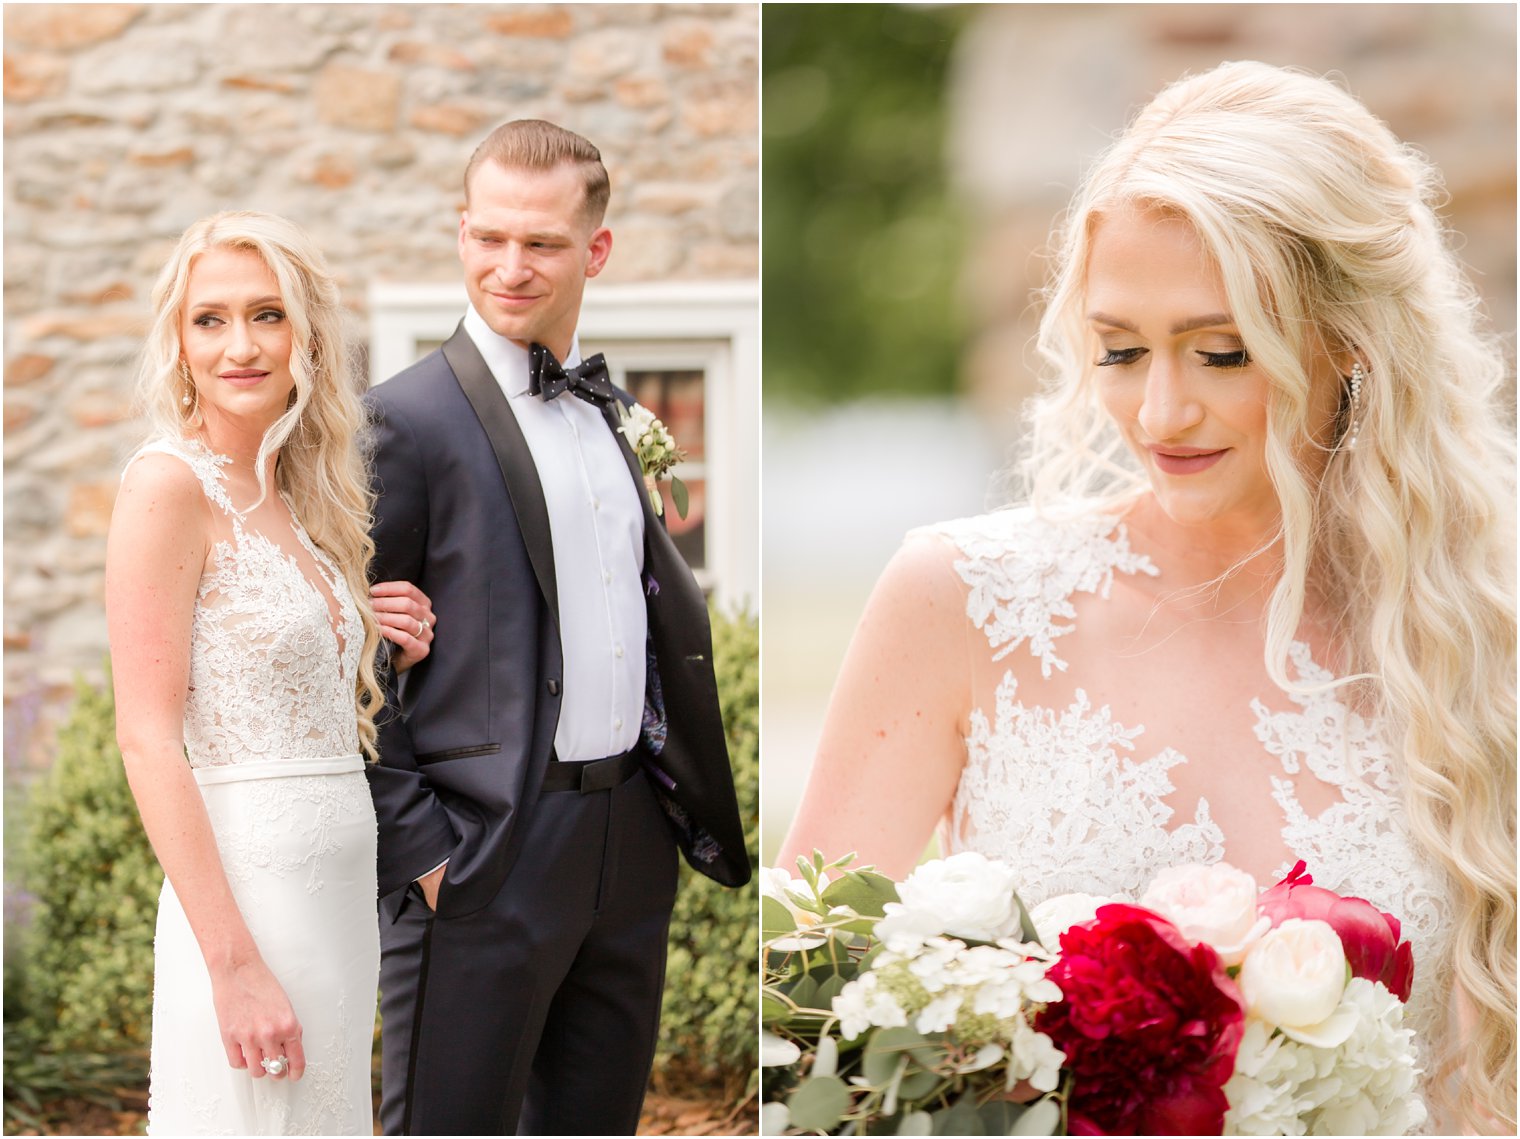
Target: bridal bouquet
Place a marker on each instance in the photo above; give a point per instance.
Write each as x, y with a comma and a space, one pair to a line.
941, 1005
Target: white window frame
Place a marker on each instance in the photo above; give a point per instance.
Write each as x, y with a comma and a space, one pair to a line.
711, 325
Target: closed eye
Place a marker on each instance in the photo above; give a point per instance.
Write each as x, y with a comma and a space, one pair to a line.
1238, 359
1119, 356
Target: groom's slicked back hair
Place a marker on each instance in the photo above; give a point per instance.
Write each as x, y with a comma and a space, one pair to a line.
533, 144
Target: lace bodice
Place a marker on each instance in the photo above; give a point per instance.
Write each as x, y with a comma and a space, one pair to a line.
1076, 795
271, 674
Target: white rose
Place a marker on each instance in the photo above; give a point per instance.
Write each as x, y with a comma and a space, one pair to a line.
1213, 904
1294, 976
971, 895
1054, 916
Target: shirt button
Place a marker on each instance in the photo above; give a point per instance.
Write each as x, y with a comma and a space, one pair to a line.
596, 504
607, 576
618, 652
617, 725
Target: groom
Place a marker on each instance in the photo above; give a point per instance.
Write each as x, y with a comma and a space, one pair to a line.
540, 768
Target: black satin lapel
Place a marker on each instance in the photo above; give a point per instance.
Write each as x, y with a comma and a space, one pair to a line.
512, 456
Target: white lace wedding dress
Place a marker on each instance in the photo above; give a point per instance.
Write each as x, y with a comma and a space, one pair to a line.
270, 732
1064, 784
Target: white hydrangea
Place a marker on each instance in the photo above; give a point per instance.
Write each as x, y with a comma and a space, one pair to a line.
1364, 1086
986, 995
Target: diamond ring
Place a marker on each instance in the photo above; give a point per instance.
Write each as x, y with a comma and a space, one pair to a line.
276, 1066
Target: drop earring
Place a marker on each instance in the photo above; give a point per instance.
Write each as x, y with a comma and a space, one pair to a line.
184, 374
1355, 426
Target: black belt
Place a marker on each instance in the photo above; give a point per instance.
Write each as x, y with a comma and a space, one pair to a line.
592, 775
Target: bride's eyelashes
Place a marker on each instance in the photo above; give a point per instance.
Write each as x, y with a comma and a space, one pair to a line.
1236, 359
1115, 357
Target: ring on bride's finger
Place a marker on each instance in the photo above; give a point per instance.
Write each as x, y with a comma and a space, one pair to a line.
275, 1066
421, 625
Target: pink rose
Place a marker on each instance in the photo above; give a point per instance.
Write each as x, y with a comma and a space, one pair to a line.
1369, 936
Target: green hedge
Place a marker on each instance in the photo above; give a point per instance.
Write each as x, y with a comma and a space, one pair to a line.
84, 980
708, 1026
86, 975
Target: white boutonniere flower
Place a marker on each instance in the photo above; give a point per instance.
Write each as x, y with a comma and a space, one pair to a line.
657, 454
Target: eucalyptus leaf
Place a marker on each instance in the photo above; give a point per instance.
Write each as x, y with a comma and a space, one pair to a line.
999, 1116
885, 1049
916, 1085
805, 992
959, 1119
916, 1123
773, 1010
775, 919
1042, 1118
679, 495
864, 891
865, 926
819, 1103
828, 989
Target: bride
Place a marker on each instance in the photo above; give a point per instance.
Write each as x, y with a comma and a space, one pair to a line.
243, 636
1260, 606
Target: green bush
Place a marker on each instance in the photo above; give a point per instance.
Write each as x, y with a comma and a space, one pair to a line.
708, 1028
87, 969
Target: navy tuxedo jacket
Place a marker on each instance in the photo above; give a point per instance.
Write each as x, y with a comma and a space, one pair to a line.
466, 735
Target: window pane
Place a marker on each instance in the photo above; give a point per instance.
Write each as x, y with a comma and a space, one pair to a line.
676, 396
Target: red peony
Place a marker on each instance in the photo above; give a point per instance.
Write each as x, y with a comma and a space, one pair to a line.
1369, 936
1149, 1023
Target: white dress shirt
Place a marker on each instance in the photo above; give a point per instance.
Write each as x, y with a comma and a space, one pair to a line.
597, 524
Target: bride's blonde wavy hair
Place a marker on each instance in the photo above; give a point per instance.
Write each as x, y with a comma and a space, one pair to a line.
320, 467
1323, 228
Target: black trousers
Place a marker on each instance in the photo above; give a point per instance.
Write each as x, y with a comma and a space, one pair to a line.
538, 1014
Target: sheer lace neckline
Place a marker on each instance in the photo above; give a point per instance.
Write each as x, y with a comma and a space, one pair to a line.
209, 466
258, 613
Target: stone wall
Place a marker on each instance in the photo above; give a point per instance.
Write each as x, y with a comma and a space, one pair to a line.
1038, 90
126, 122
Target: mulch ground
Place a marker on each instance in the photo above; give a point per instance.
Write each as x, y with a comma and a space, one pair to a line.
663, 1115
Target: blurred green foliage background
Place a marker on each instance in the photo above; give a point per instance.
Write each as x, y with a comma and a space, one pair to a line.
862, 245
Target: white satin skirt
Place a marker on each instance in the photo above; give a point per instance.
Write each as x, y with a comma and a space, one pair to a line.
297, 842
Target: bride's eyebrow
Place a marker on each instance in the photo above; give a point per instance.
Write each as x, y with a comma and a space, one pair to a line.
1211, 320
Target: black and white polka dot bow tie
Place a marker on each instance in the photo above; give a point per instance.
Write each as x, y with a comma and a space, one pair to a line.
589, 380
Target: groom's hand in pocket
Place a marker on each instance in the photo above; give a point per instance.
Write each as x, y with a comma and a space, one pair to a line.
429, 884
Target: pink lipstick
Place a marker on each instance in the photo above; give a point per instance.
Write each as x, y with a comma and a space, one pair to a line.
1184, 460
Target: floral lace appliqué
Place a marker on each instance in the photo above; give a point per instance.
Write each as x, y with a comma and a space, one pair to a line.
1021, 571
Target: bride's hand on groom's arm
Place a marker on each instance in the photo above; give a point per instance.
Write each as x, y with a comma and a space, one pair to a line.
256, 1019
406, 619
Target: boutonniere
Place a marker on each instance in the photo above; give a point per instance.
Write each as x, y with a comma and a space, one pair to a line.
657, 453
